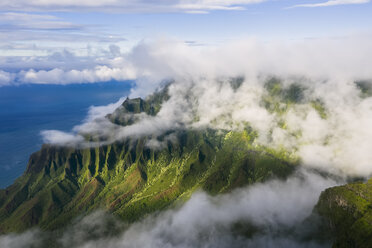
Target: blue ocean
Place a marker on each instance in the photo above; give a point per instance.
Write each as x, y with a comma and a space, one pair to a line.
26, 110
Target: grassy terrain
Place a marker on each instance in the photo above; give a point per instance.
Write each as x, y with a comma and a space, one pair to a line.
130, 179
348, 213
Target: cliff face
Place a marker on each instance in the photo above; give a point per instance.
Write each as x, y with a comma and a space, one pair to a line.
130, 179
347, 211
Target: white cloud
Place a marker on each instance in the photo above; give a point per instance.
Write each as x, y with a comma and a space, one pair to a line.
205, 5
326, 68
126, 5
17, 20
58, 76
5, 78
21, 240
61, 138
23, 34
96, 112
61, 59
206, 221
331, 3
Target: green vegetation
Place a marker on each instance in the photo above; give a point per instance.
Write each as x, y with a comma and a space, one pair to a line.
127, 113
319, 107
348, 214
130, 179
280, 98
365, 88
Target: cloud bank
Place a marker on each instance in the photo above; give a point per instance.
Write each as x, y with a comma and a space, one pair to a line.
325, 71
58, 76
154, 60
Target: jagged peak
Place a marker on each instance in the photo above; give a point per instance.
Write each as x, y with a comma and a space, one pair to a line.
125, 114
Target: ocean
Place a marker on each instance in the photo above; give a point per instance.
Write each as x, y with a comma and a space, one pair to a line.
26, 110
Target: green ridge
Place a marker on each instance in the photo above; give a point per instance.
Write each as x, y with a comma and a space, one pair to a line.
130, 179
347, 211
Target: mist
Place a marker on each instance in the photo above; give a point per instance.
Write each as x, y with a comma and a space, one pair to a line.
202, 96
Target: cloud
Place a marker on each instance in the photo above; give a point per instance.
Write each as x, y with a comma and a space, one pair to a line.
205, 221
115, 50
202, 96
5, 78
23, 240
331, 3
95, 120
96, 112
58, 76
65, 67
152, 61
274, 211
194, 6
61, 59
28, 34
26, 21
126, 6
61, 138
317, 59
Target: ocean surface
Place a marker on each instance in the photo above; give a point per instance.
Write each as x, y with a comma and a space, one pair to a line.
26, 110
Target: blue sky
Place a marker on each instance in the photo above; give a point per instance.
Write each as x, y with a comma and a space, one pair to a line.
41, 29
44, 34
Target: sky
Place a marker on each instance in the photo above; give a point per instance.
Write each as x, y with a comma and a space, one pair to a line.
86, 40
89, 28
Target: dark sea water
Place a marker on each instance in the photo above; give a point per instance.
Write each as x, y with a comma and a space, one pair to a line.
28, 109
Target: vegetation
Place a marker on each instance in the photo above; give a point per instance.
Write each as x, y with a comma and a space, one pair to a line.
347, 211
131, 178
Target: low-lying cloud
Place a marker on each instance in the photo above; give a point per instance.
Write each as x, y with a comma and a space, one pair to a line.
273, 214
58, 76
202, 96
5, 78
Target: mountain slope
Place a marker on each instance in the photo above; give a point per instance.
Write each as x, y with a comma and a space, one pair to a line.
348, 213
135, 175
130, 178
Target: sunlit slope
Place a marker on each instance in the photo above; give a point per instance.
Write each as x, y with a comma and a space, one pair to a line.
131, 179
348, 213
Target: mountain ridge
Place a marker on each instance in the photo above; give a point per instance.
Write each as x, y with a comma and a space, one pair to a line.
131, 179
140, 175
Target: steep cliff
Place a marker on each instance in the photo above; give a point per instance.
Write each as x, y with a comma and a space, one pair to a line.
131, 178
347, 211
